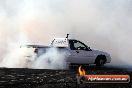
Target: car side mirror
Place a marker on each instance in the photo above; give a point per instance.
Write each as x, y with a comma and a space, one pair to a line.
88, 49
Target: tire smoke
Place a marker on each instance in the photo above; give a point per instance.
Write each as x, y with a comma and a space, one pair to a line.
52, 59
104, 25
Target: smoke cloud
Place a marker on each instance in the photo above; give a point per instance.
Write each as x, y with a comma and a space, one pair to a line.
54, 60
101, 24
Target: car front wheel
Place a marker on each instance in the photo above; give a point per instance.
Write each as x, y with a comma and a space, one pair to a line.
100, 61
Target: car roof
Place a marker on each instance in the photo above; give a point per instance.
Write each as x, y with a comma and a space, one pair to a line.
73, 39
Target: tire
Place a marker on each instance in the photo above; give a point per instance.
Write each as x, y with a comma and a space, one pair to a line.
100, 61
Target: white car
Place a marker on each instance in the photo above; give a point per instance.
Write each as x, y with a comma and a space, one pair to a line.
79, 53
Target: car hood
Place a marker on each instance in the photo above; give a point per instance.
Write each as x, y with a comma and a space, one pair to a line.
100, 52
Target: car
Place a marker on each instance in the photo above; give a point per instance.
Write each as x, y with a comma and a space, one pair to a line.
79, 53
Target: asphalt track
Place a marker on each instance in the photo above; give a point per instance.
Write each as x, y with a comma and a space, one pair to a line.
44, 78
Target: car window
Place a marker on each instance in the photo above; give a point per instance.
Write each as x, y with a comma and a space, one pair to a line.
77, 45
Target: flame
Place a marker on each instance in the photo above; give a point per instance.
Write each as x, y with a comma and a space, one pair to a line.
81, 71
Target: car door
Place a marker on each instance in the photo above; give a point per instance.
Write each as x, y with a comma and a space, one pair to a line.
81, 53
74, 54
